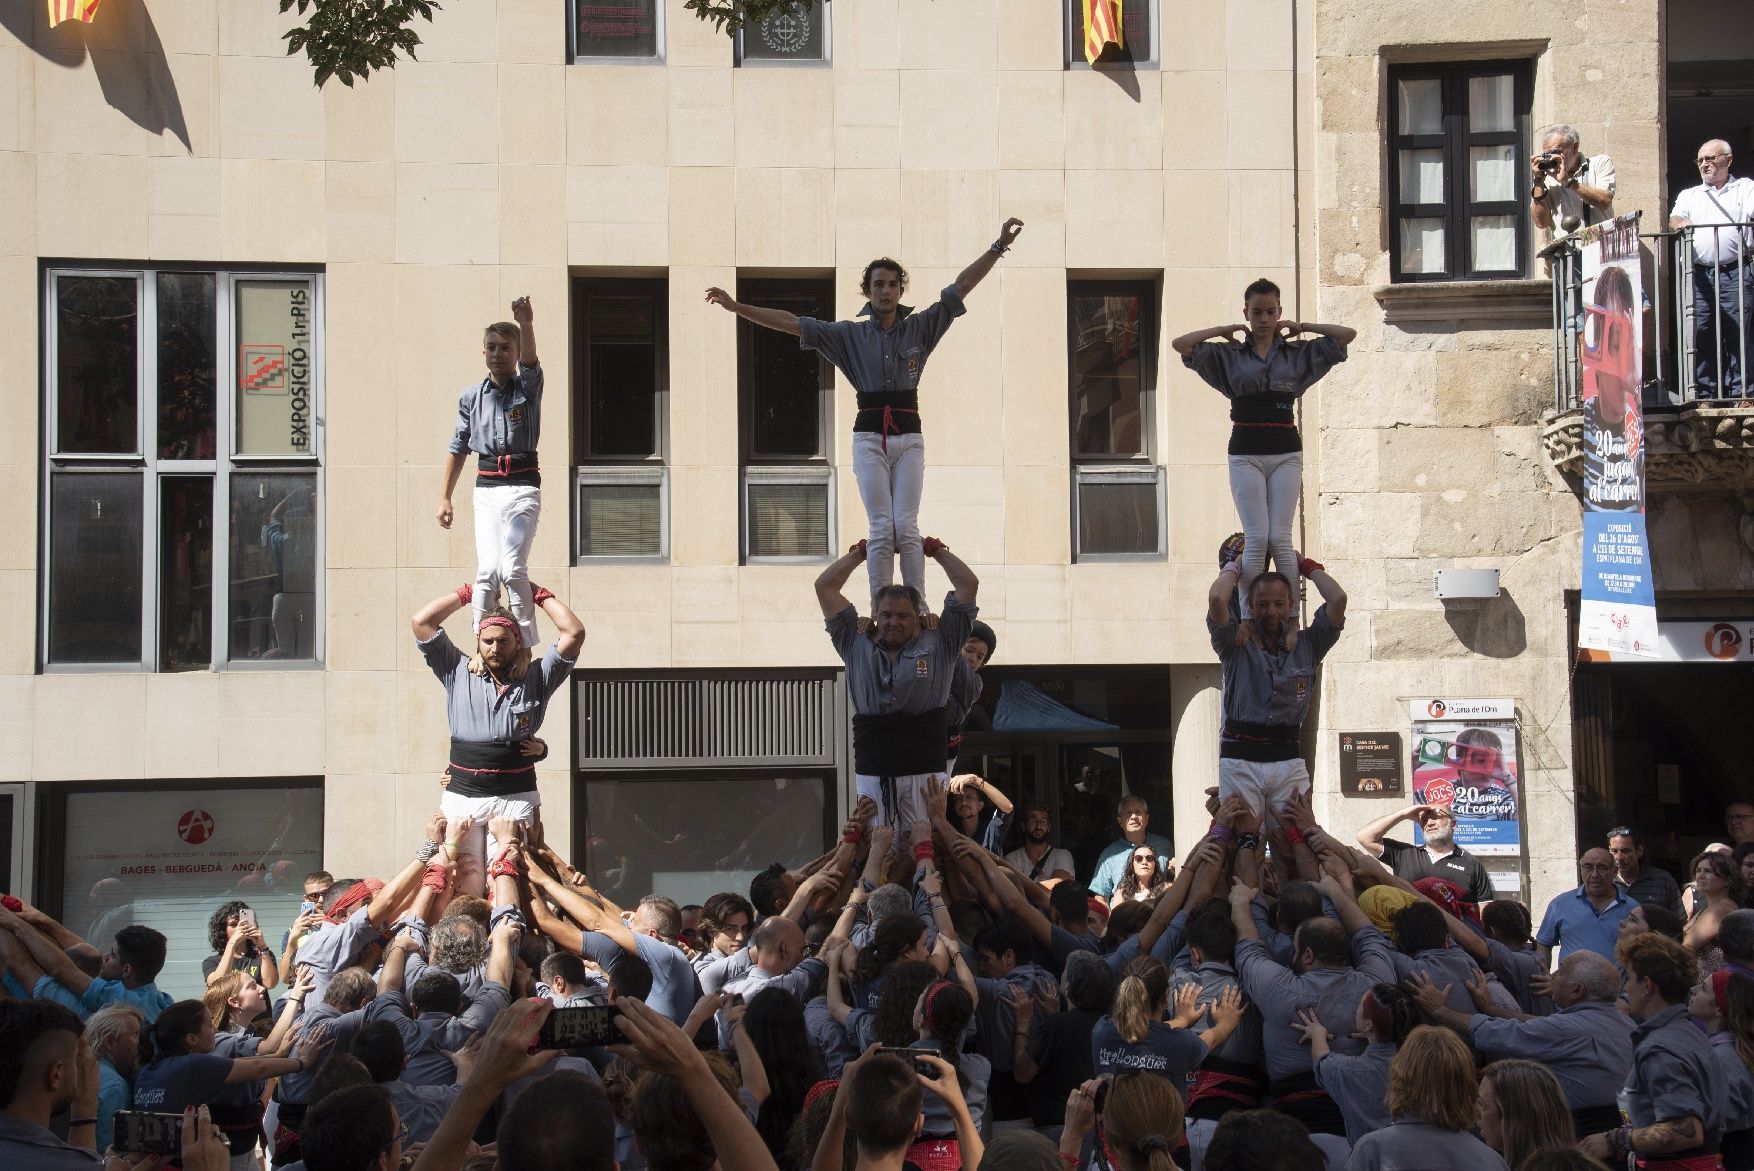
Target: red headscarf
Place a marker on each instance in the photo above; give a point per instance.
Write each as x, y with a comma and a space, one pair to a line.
1450, 897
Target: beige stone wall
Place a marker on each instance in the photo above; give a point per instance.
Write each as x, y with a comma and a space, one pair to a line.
1429, 454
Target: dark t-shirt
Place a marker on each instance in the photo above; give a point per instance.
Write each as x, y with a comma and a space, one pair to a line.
251, 964
1163, 1050
1060, 1047
172, 1084
1460, 867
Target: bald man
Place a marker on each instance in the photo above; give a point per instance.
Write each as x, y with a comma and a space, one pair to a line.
1718, 211
777, 947
1587, 918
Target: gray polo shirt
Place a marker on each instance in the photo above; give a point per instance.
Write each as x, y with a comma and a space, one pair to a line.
1587, 1046
426, 1038
25, 1146
500, 421
295, 1088
1243, 1046
994, 1017
1514, 967
879, 362
1675, 1075
478, 710
918, 677
1359, 1085
1407, 1144
1263, 686
421, 1107
802, 983
1452, 966
1738, 1083
334, 946
1334, 993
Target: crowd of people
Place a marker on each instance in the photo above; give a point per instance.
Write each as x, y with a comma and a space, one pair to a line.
1287, 1001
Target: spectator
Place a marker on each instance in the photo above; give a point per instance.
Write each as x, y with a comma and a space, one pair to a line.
1358, 1083
725, 921
1440, 857
1570, 191
969, 797
113, 1033
1674, 1098
1144, 880
1742, 858
1431, 1098
1739, 822
1522, 1110
1053, 1053
1133, 816
1735, 934
1717, 214
1587, 918
237, 943
1642, 883
46, 1068
561, 1123
354, 1129
1722, 1006
1560, 1159
1142, 1121
1262, 1140
125, 975
1653, 918
1037, 858
1717, 890
773, 1030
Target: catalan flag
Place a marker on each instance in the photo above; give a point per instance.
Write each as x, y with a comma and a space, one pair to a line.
1102, 27
80, 10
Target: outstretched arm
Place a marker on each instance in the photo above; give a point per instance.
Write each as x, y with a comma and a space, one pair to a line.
832, 580
971, 276
778, 319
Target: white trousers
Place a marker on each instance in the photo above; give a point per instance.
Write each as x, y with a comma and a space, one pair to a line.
476, 846
899, 803
890, 483
1265, 489
505, 528
1265, 785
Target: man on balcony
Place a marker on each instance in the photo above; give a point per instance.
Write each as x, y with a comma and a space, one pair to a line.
1570, 191
1719, 212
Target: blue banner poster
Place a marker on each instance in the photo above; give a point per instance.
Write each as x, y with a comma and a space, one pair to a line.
1619, 610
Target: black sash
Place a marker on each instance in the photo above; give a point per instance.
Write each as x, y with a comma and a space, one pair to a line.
496, 769
903, 744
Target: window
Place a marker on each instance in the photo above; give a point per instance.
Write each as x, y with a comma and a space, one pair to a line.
1458, 179
786, 405
1117, 493
620, 409
169, 857
183, 524
798, 35
1138, 31
618, 30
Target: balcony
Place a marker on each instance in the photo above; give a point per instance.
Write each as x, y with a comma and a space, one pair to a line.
1695, 439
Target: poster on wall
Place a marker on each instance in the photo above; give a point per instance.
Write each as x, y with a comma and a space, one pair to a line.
1465, 757
168, 858
1619, 610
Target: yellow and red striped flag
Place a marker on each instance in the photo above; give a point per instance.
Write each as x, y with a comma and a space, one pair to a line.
80, 10
1102, 28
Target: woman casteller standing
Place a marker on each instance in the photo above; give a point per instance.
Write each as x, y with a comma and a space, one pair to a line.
1263, 375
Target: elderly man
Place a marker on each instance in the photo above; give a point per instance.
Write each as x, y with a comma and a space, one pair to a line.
1642, 883
494, 717
1739, 822
1587, 1043
899, 683
1675, 1098
1719, 212
1133, 816
113, 1032
1589, 917
1439, 857
1570, 191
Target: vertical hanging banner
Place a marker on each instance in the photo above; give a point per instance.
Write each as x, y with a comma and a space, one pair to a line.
1619, 610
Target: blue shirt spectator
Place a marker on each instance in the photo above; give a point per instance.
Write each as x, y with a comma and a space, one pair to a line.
1589, 917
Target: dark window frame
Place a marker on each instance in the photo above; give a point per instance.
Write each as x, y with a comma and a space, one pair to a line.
1072, 24
1098, 468
1455, 140
822, 12
582, 289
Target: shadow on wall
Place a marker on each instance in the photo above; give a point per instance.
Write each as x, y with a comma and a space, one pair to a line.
1494, 627
131, 69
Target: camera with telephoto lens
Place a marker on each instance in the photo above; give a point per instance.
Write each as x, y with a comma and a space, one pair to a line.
1550, 162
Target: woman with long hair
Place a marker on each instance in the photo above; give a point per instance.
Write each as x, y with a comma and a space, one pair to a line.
185, 1071
941, 1018
1135, 1035
1521, 1109
1144, 880
1432, 1093
890, 1020
1717, 890
233, 1001
1140, 1125
1722, 1006
895, 939
1358, 1083
778, 1063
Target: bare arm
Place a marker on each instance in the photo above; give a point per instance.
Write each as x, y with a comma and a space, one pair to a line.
454, 464
750, 1066
981, 265
962, 578
1333, 597
777, 319
45, 955
525, 316
569, 632
1371, 836
586, 913
428, 619
396, 894
53, 928
1218, 597
832, 580
1206, 854
1340, 333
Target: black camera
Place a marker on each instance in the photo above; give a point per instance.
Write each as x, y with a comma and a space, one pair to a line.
1550, 162
579, 1026
142, 1131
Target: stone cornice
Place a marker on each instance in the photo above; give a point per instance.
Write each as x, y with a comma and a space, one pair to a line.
1688, 448
1507, 302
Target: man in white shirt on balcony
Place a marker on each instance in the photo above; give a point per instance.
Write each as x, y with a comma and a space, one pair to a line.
1719, 211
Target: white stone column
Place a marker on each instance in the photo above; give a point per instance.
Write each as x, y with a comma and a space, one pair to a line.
1196, 716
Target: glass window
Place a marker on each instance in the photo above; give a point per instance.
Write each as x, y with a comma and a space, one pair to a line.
97, 364
617, 28
1117, 518
95, 567
1138, 31
693, 837
785, 388
797, 33
169, 858
1458, 192
145, 481
1108, 373
620, 397
1112, 337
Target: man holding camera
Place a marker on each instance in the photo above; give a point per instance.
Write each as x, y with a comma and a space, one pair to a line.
1570, 192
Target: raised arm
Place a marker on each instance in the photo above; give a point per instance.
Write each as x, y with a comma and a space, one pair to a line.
1371, 836
778, 319
569, 632
981, 265
586, 913
1184, 345
525, 316
1352, 916
397, 893
43, 954
1208, 854
1340, 333
832, 580
1218, 597
962, 578
1333, 597
430, 617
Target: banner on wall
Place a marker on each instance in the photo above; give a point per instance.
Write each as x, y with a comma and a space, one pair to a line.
1619, 609
1465, 757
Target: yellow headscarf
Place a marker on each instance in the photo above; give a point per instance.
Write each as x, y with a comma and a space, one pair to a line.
1383, 903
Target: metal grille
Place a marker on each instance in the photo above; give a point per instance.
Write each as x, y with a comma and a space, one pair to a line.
669, 721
